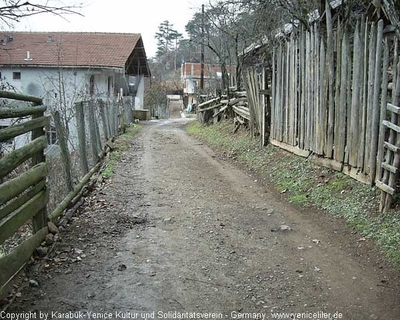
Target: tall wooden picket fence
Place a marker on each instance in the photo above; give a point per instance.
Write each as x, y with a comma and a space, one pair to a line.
330, 93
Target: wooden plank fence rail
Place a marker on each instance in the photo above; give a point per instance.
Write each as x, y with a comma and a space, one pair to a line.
23, 197
13, 159
238, 104
11, 264
390, 150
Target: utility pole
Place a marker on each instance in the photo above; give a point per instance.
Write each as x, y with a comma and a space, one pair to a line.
202, 50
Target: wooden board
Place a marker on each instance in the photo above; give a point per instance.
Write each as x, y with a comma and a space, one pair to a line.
22, 199
12, 263
13, 159
20, 112
15, 220
18, 129
12, 188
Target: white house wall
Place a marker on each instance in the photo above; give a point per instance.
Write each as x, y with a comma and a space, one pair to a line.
49, 83
45, 82
189, 86
139, 98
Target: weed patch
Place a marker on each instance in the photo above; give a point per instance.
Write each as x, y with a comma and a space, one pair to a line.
121, 144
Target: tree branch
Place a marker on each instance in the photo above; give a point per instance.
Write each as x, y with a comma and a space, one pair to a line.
15, 10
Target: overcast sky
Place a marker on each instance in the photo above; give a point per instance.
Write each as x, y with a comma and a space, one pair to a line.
126, 16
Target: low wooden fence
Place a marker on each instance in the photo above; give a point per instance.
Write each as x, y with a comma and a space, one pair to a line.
213, 108
97, 123
250, 108
23, 197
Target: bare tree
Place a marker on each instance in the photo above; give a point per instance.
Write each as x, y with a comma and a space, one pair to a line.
231, 26
12, 11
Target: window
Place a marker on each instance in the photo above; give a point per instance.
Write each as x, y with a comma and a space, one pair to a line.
51, 135
91, 85
16, 75
109, 86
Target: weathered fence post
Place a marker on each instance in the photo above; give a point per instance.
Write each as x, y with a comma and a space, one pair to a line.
383, 108
108, 111
64, 150
39, 221
375, 103
103, 116
80, 122
92, 132
353, 134
97, 130
116, 116
331, 78
370, 88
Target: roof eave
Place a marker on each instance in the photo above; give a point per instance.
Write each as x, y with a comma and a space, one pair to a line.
43, 66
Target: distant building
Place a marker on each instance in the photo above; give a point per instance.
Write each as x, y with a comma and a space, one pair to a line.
191, 76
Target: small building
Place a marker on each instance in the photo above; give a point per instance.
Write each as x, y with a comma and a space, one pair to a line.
76, 65
66, 67
191, 76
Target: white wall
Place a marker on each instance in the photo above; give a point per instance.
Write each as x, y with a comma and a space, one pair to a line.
60, 89
189, 86
45, 82
139, 98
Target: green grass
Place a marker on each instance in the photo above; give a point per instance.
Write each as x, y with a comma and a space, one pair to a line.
112, 161
131, 130
299, 198
121, 144
309, 185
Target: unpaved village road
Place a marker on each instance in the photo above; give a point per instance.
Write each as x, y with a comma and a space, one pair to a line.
209, 242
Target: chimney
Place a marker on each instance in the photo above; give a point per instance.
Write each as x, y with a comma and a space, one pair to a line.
28, 56
49, 39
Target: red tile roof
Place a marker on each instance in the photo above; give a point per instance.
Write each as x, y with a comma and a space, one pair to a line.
70, 49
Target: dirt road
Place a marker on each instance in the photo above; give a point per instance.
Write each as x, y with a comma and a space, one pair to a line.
180, 230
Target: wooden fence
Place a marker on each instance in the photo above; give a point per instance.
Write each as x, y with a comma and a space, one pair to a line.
97, 123
23, 197
329, 95
26, 196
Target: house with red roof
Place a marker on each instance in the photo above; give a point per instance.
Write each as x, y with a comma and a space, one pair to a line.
191, 76
77, 66
66, 67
